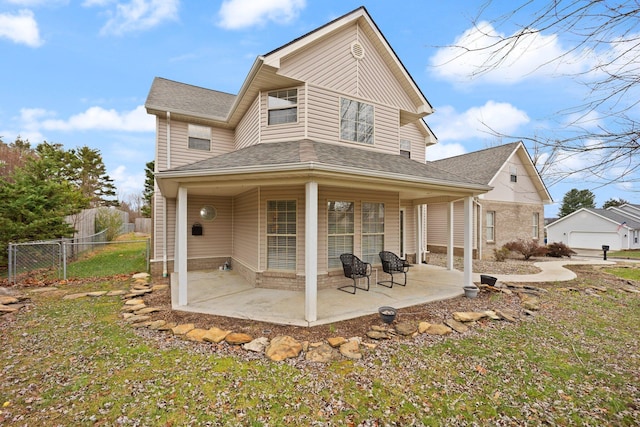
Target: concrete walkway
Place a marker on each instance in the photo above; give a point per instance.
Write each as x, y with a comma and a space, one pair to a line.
551, 271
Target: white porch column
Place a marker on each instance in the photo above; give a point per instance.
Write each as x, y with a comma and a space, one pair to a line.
450, 236
181, 255
468, 241
311, 252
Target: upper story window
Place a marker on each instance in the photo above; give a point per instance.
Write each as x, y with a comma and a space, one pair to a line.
513, 171
405, 148
356, 121
283, 106
199, 137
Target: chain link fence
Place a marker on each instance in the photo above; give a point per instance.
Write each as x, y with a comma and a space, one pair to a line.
50, 258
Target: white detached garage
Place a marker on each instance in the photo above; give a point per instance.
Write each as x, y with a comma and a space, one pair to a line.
590, 228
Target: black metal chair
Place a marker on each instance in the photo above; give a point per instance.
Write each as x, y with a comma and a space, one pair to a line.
393, 264
355, 269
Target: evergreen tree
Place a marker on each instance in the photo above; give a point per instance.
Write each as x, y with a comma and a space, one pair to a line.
149, 185
613, 202
576, 199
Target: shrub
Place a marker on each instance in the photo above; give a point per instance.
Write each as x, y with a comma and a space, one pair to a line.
559, 250
501, 254
527, 248
111, 220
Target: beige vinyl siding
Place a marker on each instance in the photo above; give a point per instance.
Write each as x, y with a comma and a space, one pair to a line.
324, 121
391, 219
216, 234
327, 63
285, 131
437, 224
158, 226
171, 226
245, 229
372, 70
522, 191
180, 154
410, 226
324, 115
248, 130
161, 144
296, 193
412, 132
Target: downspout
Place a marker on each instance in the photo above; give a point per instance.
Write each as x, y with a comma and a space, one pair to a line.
165, 270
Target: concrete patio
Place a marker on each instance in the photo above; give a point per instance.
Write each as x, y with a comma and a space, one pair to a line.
226, 293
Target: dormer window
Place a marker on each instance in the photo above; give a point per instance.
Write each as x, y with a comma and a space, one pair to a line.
356, 121
283, 106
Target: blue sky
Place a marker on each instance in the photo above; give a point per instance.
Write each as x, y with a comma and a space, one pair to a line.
78, 72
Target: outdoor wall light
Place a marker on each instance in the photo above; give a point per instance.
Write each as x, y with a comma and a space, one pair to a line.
208, 213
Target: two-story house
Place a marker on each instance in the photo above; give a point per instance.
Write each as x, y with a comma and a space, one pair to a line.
321, 152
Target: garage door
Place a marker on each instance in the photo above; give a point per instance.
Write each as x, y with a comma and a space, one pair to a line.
594, 240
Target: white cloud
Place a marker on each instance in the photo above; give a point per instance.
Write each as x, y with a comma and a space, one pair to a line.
443, 151
35, 3
96, 118
477, 122
20, 28
126, 182
471, 58
235, 14
137, 15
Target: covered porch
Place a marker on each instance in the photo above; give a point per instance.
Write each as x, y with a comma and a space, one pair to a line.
226, 293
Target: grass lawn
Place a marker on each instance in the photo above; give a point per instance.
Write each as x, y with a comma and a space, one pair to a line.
74, 362
624, 254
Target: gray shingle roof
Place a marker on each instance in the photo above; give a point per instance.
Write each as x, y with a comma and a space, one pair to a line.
168, 95
479, 166
306, 151
617, 217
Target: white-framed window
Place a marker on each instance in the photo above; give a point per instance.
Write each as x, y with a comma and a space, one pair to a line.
535, 226
340, 230
372, 231
199, 137
405, 148
283, 106
356, 121
491, 226
281, 234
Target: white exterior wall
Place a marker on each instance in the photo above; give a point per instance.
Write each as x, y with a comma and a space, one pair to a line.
585, 230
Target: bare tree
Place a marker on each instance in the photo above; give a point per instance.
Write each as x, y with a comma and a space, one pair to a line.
604, 129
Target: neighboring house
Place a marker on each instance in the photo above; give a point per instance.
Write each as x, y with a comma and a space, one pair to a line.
321, 152
513, 209
590, 228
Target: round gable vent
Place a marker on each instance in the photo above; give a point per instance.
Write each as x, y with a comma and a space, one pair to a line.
357, 50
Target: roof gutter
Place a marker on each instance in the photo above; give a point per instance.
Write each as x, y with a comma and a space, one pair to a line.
320, 167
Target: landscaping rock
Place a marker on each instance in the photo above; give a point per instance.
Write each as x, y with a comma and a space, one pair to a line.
438, 329
336, 342
141, 276
147, 310
215, 335
183, 329
459, 327
8, 308
322, 354
257, 345
406, 328
468, 316
116, 293
132, 308
135, 301
137, 319
75, 296
423, 326
237, 338
506, 315
377, 335
283, 347
6, 300
156, 324
351, 350
96, 294
196, 334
